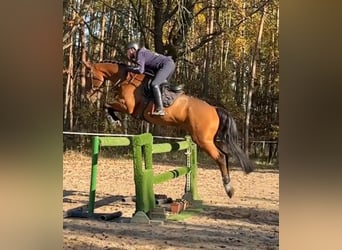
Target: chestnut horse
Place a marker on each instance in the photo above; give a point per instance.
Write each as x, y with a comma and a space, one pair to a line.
212, 128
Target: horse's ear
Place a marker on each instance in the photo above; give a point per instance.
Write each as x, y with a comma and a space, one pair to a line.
87, 64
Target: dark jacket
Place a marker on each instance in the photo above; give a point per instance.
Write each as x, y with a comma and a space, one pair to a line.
149, 61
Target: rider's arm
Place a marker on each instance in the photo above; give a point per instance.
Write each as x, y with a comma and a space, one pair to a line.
140, 67
134, 69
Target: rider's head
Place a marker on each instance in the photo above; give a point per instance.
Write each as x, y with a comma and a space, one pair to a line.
132, 49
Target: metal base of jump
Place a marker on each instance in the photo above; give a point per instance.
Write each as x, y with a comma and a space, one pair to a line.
101, 216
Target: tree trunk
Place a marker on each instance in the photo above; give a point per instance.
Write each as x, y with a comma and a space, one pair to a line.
102, 37
208, 57
69, 93
251, 84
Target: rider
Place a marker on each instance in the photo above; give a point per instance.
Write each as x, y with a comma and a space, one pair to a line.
146, 60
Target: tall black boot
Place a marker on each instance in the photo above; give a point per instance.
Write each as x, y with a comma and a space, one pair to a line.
158, 101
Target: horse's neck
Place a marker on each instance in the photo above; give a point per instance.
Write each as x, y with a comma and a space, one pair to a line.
136, 79
112, 72
133, 86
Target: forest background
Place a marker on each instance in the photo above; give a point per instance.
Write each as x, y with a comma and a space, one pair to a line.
226, 53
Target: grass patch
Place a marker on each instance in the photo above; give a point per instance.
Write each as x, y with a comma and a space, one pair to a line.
191, 211
185, 214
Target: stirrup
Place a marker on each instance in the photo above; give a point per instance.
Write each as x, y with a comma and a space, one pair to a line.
159, 112
177, 88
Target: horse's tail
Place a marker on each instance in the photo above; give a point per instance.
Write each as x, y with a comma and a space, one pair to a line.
227, 135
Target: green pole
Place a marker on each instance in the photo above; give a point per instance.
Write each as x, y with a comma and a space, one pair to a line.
143, 175
169, 175
193, 176
94, 164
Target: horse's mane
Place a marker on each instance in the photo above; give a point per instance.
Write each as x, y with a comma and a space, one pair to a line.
112, 61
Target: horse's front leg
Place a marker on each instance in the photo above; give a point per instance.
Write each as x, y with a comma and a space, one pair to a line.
110, 109
112, 117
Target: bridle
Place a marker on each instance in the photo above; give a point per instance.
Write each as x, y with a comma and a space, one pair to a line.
95, 90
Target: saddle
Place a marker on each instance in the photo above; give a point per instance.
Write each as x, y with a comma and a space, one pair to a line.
169, 91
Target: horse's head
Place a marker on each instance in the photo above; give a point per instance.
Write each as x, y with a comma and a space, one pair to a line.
94, 81
97, 73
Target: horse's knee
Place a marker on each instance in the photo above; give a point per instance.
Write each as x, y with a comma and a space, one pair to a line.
130, 111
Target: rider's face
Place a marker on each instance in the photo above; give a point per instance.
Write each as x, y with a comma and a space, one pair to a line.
131, 53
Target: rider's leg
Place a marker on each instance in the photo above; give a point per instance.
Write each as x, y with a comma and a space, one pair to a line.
158, 101
163, 74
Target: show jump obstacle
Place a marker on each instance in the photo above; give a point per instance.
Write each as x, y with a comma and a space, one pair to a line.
144, 176
97, 143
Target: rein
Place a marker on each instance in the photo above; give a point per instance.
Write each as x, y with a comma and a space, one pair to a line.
134, 77
94, 90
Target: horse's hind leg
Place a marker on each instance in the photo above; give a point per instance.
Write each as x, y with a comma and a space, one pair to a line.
222, 161
226, 179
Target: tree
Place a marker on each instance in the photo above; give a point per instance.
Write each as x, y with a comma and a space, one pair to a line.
252, 80
226, 52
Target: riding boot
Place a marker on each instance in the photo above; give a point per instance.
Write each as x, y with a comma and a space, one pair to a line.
158, 101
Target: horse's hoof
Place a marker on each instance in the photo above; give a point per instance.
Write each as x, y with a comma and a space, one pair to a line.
117, 123
231, 192
114, 123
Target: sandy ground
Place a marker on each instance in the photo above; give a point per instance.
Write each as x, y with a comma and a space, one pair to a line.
250, 220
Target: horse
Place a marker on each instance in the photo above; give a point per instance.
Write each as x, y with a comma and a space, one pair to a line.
212, 128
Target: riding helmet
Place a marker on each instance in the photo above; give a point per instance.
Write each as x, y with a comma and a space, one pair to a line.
134, 45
